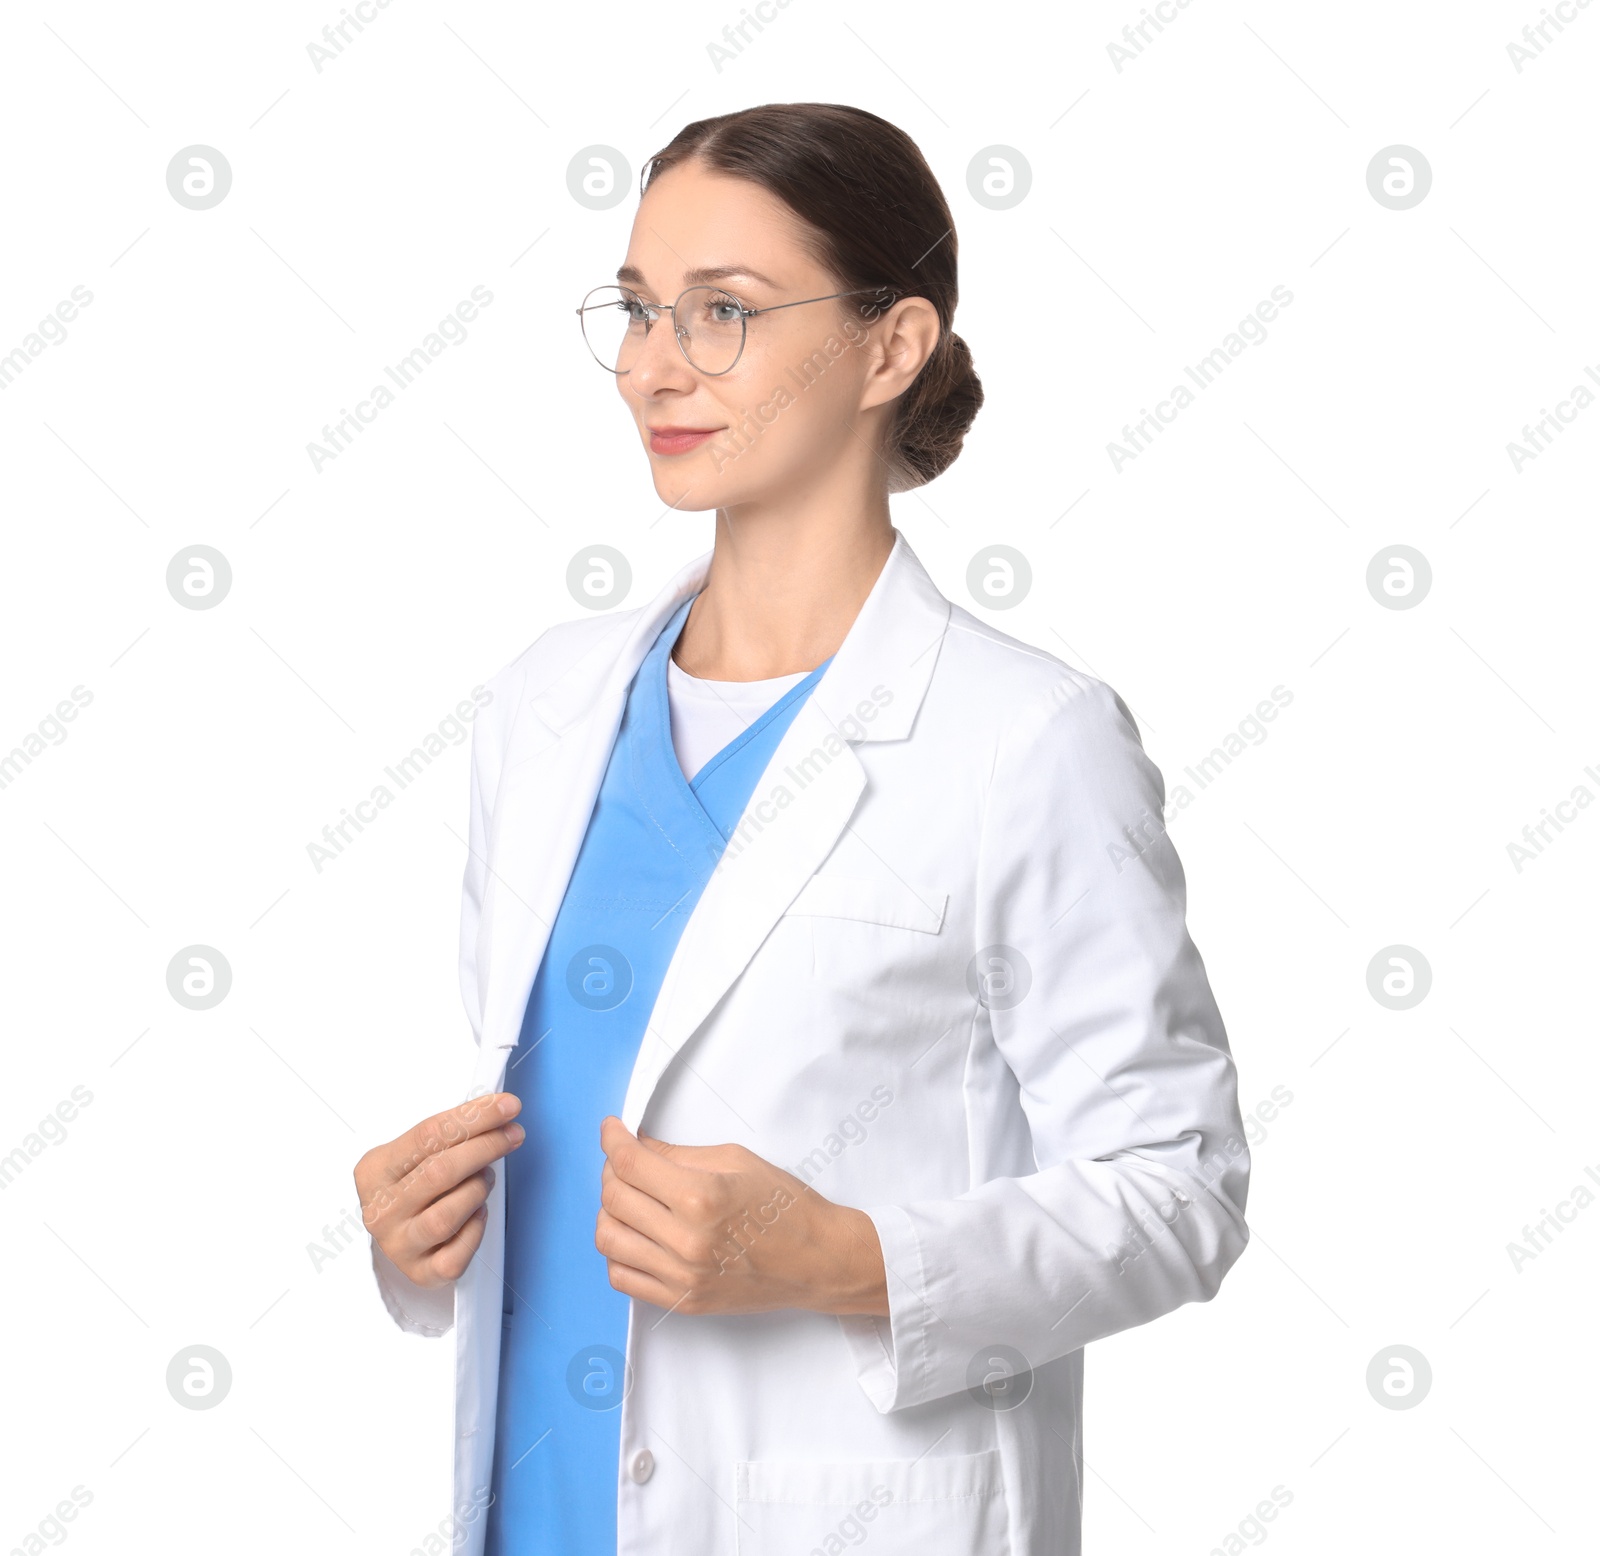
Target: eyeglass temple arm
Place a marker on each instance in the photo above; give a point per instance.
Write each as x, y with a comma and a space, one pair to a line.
750, 313
885, 291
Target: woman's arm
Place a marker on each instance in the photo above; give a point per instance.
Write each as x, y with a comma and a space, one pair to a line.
1099, 1002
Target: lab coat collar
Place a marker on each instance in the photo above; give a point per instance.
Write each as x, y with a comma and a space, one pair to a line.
896, 634
555, 759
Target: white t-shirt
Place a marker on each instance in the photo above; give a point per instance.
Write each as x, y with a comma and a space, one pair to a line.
706, 715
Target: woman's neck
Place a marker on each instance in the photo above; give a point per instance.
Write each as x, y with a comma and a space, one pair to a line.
780, 599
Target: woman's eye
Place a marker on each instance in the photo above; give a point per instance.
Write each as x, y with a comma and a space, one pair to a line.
725, 313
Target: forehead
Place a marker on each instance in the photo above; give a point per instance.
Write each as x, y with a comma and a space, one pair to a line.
697, 227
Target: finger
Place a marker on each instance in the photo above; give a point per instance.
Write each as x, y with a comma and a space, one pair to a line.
626, 1246
443, 1130
656, 1174
636, 1283
610, 1178
392, 1204
437, 1223
435, 1176
450, 1260
636, 1209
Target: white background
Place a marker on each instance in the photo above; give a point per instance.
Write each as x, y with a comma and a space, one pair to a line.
1168, 199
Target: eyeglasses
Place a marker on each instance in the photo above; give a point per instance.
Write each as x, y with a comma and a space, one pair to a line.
708, 322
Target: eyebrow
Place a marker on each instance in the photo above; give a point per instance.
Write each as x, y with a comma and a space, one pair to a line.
704, 275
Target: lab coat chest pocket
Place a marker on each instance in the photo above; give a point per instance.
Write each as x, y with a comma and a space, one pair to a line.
954, 1505
882, 899
867, 946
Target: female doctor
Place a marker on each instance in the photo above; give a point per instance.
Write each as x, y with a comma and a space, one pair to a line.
837, 1020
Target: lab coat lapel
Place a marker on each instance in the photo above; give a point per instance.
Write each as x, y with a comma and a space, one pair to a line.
801, 805
758, 876
555, 761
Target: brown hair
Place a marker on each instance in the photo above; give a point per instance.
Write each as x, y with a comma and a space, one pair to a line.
880, 220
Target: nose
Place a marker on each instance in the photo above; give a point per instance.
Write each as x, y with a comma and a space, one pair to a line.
660, 363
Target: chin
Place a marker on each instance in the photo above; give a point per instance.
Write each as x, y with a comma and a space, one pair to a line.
692, 483
686, 496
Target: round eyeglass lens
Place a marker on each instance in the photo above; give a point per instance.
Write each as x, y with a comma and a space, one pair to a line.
710, 328
612, 316
709, 322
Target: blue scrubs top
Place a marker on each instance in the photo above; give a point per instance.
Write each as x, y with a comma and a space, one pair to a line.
653, 841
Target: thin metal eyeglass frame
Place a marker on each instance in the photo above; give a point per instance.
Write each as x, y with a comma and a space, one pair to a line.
657, 309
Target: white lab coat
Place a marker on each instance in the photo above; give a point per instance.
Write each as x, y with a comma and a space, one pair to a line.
942, 974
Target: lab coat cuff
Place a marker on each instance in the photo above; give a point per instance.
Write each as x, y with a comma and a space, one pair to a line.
891, 1354
424, 1310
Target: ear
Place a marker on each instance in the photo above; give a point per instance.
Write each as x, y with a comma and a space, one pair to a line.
905, 338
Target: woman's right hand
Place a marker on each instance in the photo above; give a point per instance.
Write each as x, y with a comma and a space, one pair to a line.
423, 1195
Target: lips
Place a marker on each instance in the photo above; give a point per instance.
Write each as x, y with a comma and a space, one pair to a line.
679, 440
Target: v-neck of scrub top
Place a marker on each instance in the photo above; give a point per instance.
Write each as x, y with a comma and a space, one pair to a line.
721, 787
653, 841
706, 715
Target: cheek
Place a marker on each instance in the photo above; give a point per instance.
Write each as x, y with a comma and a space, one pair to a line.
798, 421
766, 426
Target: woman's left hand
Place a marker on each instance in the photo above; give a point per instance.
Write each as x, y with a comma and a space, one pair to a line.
715, 1229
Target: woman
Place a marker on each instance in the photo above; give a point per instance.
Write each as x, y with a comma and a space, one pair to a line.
828, 941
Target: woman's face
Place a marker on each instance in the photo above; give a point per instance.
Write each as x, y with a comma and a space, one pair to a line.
793, 405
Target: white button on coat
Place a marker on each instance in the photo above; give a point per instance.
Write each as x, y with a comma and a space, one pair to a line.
643, 1465
942, 975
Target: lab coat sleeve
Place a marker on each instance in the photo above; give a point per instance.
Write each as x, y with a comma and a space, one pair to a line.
424, 1310
1098, 1001
430, 1310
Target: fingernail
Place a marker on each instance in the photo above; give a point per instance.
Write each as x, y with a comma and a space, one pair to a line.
515, 1133
509, 1105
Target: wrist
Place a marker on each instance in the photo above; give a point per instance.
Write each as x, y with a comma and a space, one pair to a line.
859, 1285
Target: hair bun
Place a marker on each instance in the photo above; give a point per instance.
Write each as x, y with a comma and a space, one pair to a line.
935, 414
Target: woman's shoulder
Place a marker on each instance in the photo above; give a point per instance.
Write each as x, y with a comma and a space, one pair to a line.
1022, 686
560, 648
